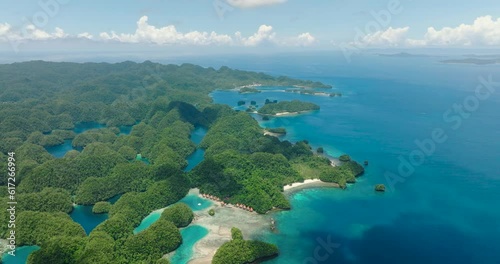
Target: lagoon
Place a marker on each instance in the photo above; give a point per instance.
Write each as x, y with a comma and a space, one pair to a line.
21, 257
83, 215
190, 235
192, 200
60, 150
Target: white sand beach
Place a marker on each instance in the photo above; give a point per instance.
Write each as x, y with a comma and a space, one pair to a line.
269, 133
219, 227
310, 183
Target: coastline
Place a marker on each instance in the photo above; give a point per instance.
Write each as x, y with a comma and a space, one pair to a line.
219, 229
308, 184
287, 113
268, 133
250, 223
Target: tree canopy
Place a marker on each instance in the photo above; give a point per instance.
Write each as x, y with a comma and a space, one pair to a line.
294, 106
240, 251
163, 104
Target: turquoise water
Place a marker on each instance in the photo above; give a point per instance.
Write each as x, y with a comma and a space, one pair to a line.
444, 212
190, 235
198, 134
148, 221
197, 157
80, 214
82, 127
60, 150
193, 233
193, 201
21, 257
83, 215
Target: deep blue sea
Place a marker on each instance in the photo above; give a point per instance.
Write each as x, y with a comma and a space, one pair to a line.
442, 209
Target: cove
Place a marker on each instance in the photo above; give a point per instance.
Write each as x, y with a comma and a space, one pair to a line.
21, 257
194, 159
192, 200
60, 150
190, 235
83, 215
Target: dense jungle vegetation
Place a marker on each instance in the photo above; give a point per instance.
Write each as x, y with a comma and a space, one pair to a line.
42, 102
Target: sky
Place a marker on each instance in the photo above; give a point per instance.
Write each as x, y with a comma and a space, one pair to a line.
205, 26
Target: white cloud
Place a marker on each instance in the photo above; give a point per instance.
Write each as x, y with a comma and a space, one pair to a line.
302, 40
4, 29
305, 39
85, 35
264, 34
30, 32
166, 35
169, 35
253, 3
390, 37
484, 31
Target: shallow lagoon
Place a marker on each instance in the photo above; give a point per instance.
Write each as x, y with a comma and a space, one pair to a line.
60, 150
21, 257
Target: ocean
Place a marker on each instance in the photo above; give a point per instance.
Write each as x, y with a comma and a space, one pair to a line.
403, 115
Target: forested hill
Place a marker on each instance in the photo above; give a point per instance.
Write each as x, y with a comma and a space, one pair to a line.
42, 102
46, 96
104, 82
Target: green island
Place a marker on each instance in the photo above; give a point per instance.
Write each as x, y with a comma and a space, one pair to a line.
101, 208
239, 250
241, 164
380, 188
247, 90
287, 107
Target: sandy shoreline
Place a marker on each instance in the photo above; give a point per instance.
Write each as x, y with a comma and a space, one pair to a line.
219, 227
293, 113
309, 183
269, 133
250, 223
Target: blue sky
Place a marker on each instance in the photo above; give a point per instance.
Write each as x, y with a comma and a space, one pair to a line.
240, 25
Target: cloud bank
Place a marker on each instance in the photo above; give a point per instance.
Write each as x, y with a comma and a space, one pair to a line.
484, 31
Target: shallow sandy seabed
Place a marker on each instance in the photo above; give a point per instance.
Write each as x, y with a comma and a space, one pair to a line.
219, 227
251, 224
307, 184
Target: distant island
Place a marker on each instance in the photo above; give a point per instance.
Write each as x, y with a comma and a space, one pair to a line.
402, 55
287, 107
312, 92
246, 90
474, 61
